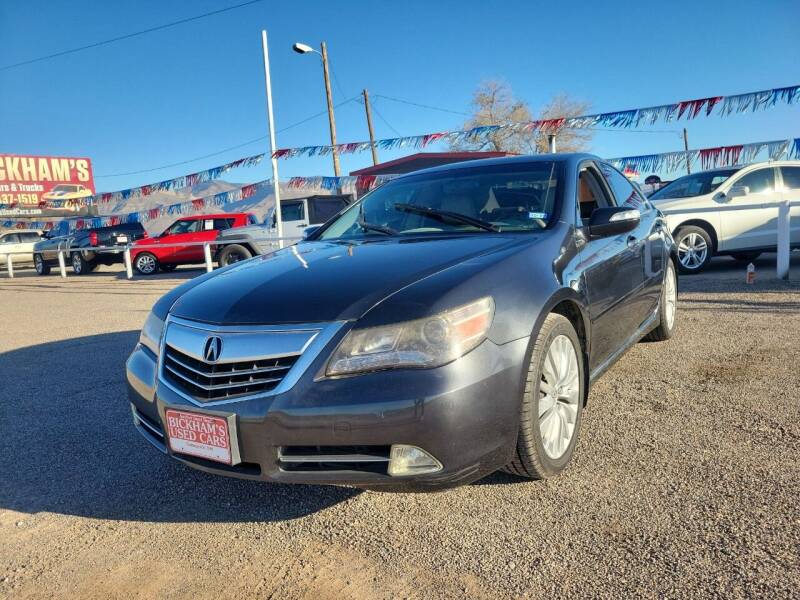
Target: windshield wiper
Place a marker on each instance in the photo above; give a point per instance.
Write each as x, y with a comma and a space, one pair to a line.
446, 214
372, 226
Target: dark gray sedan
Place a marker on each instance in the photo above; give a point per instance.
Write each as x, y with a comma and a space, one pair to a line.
447, 325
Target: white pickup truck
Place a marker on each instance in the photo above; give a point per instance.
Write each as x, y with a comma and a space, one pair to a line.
730, 211
297, 214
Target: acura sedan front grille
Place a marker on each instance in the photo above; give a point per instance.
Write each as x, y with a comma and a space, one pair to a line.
219, 381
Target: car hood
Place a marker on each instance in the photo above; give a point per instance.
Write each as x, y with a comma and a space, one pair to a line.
325, 281
678, 204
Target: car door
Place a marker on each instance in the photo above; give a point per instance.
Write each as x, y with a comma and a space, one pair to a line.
177, 235
9, 244
613, 271
745, 221
27, 241
294, 217
790, 190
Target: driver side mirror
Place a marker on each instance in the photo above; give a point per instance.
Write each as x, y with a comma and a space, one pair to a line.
738, 191
309, 231
612, 220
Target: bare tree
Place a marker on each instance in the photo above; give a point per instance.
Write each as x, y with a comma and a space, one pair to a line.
494, 104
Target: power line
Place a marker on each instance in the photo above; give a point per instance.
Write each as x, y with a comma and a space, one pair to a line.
382, 118
428, 106
129, 35
217, 153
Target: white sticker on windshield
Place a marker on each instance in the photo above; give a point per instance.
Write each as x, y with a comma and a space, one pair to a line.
538, 215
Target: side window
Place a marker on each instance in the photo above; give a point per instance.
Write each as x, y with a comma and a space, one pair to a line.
29, 237
758, 182
251, 220
11, 238
327, 208
292, 212
624, 191
590, 194
791, 178
187, 226
223, 224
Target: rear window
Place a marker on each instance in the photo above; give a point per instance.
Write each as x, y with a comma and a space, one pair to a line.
791, 177
223, 224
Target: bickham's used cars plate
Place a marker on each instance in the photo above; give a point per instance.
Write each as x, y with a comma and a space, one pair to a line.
205, 436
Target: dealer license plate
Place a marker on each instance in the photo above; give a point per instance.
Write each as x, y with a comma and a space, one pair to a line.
204, 436
122, 239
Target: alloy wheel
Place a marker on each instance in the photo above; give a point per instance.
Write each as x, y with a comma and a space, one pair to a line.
692, 250
146, 264
77, 266
38, 264
558, 397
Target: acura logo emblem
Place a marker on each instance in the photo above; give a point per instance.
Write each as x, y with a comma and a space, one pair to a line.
212, 349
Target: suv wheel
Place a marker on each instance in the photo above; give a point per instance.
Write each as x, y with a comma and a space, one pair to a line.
667, 308
146, 263
552, 403
41, 267
233, 254
695, 248
80, 266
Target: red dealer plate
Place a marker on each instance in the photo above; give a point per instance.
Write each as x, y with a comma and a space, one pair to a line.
205, 436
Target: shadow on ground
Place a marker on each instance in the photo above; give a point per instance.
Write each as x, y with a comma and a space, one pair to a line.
67, 445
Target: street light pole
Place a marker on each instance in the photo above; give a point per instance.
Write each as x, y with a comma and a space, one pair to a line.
275, 182
331, 118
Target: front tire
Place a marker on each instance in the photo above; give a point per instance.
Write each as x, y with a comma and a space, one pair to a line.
695, 248
668, 307
552, 402
42, 268
233, 254
145, 263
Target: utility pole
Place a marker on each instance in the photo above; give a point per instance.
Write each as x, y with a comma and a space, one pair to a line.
369, 126
686, 149
331, 119
275, 182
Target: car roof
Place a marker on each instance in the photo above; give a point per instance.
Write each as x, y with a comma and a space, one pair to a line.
570, 158
213, 216
764, 163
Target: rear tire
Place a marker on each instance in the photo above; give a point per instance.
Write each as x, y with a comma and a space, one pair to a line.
80, 266
42, 268
552, 402
745, 256
667, 308
233, 254
145, 263
695, 248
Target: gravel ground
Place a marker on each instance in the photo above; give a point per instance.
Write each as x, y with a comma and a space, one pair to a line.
685, 481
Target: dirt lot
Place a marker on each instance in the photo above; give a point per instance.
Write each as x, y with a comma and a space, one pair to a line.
686, 479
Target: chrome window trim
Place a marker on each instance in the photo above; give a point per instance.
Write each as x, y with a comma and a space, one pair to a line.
323, 334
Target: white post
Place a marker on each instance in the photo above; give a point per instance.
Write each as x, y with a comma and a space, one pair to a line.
784, 249
275, 181
10, 265
128, 263
207, 254
551, 142
61, 264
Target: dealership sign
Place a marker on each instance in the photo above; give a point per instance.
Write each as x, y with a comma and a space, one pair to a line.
35, 186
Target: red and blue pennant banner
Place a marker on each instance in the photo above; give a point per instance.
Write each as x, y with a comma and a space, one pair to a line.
710, 158
344, 184
688, 109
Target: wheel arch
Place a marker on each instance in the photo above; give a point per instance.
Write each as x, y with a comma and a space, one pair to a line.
702, 224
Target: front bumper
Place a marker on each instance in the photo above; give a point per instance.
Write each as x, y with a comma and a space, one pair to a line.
465, 414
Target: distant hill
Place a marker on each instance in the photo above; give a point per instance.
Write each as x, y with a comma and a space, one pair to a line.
257, 204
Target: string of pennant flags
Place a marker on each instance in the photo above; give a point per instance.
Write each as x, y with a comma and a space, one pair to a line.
688, 109
710, 158
347, 184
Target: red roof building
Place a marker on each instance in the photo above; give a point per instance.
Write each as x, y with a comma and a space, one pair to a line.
423, 160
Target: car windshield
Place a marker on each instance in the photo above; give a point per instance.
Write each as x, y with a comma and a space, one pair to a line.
693, 185
504, 197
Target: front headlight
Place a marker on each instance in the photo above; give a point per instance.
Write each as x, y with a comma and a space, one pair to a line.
423, 343
151, 333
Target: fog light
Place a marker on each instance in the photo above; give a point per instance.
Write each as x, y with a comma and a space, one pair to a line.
410, 460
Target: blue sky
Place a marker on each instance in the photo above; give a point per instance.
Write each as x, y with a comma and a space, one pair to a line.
198, 88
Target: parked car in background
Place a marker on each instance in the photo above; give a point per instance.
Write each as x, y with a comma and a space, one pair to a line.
19, 240
160, 252
446, 325
297, 214
729, 211
91, 244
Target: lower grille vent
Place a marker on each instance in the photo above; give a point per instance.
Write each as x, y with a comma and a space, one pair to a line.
367, 459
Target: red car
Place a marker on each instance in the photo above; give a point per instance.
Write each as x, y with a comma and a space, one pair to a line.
150, 254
